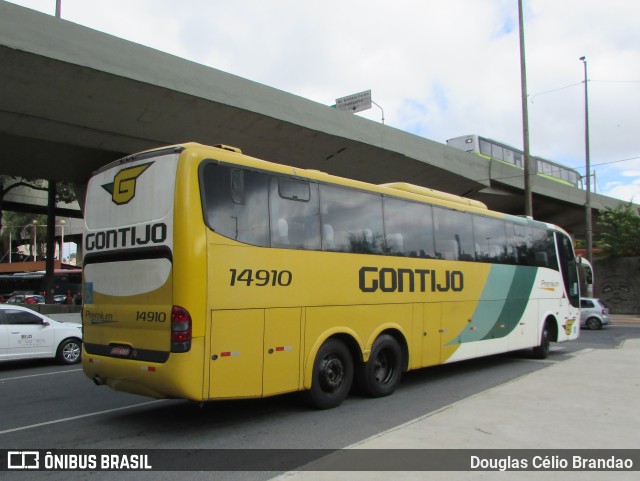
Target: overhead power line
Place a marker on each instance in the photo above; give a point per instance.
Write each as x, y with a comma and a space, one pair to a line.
580, 83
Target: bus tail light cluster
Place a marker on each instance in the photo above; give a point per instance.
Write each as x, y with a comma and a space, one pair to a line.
180, 329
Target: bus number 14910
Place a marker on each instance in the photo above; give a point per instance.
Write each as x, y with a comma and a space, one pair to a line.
261, 277
151, 316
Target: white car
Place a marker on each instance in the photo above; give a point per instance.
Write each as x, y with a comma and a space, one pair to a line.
26, 334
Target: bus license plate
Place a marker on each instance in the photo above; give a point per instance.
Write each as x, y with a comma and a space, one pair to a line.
120, 351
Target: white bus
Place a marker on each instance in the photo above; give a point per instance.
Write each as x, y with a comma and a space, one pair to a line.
492, 149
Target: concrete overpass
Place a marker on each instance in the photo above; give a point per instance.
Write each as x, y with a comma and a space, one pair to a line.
73, 99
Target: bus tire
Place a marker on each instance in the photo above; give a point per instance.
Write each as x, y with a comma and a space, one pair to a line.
381, 374
541, 351
69, 351
332, 375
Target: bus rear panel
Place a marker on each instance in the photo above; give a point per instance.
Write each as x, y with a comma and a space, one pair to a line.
134, 333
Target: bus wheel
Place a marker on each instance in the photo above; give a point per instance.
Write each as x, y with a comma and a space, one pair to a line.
541, 351
381, 375
332, 375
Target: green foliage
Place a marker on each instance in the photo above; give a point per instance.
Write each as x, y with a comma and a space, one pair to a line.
620, 231
20, 226
65, 191
21, 229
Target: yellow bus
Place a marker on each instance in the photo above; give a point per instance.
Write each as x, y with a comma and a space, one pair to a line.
209, 274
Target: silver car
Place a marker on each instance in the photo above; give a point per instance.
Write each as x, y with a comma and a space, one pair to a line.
593, 313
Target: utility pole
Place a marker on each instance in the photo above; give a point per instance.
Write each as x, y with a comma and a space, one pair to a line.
587, 205
528, 198
51, 239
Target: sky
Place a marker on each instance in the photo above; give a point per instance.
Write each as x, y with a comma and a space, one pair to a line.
438, 68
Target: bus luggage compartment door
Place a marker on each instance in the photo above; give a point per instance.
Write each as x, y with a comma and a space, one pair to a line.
236, 354
281, 350
254, 352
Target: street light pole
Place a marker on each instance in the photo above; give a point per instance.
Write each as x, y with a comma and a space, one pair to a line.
35, 239
528, 197
62, 222
587, 205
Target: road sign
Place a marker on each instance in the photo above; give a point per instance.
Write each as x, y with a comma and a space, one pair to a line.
355, 103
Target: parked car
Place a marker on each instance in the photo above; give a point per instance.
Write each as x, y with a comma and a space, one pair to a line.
26, 299
59, 299
593, 313
26, 334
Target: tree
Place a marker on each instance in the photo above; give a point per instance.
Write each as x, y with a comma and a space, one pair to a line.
20, 228
65, 192
620, 231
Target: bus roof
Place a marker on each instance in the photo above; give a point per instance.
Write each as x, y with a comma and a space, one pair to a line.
405, 190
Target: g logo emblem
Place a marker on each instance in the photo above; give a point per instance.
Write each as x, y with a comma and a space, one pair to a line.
123, 187
568, 326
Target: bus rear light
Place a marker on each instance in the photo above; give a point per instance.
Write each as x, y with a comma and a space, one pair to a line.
180, 329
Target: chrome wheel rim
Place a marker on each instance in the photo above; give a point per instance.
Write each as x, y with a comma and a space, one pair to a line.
71, 352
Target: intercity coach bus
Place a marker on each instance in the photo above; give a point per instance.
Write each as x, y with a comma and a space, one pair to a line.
211, 275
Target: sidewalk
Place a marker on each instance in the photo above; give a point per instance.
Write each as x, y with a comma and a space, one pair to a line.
626, 319
587, 402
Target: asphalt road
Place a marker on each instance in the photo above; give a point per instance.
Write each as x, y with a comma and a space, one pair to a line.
46, 406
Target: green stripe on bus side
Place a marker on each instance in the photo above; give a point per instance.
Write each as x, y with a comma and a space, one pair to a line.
516, 303
502, 304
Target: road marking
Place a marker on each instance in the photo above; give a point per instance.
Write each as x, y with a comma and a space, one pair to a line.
36, 375
73, 418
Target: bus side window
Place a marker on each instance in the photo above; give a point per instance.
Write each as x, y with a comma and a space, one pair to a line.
542, 251
454, 234
409, 228
235, 203
355, 218
295, 214
516, 244
491, 244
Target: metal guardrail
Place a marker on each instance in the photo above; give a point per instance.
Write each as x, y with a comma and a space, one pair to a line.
47, 309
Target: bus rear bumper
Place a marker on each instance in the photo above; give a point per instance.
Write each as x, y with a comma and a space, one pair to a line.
176, 378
